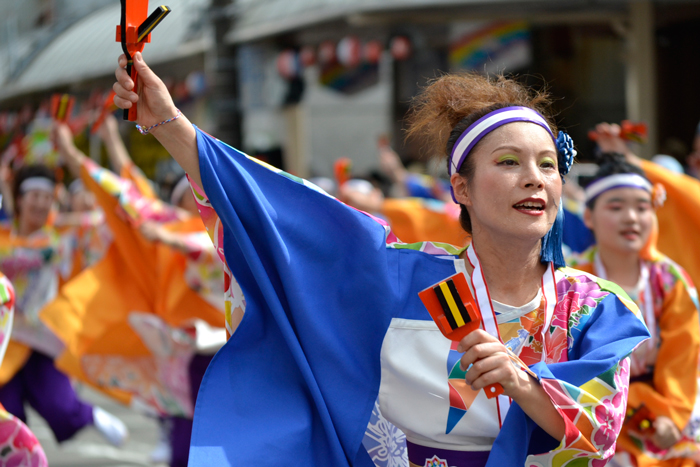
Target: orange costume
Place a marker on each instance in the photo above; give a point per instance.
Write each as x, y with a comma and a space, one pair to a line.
664, 370
38, 265
128, 322
679, 219
416, 220
662, 373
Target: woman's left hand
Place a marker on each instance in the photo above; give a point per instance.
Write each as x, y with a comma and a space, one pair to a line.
490, 364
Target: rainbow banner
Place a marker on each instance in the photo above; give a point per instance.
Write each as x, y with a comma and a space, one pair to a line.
490, 47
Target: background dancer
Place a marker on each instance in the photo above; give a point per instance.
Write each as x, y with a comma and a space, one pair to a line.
664, 383
32, 257
173, 327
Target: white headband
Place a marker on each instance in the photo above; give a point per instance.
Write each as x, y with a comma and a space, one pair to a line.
486, 124
179, 191
76, 186
37, 183
628, 180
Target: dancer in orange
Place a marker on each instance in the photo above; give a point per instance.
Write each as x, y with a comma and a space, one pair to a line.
621, 204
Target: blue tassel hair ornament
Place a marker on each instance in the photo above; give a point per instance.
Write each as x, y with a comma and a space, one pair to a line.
551, 250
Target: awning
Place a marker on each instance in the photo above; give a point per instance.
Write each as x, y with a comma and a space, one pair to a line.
257, 19
88, 49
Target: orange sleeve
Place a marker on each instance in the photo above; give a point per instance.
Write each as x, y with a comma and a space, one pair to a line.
675, 375
131, 172
679, 217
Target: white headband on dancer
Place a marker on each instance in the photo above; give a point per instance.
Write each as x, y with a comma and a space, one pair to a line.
628, 180
37, 183
485, 125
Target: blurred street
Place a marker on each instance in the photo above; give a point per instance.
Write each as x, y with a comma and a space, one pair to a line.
89, 448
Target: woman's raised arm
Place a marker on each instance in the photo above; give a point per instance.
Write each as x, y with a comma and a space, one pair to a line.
155, 105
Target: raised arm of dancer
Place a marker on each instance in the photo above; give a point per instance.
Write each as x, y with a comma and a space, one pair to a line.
155, 105
118, 155
609, 140
157, 232
72, 156
8, 201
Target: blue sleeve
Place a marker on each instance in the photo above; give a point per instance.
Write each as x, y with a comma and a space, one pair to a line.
577, 236
297, 381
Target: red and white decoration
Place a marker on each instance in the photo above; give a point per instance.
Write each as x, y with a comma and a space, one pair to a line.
326, 52
400, 48
373, 51
350, 51
307, 55
288, 64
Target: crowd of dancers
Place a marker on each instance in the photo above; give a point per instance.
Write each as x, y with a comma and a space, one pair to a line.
590, 315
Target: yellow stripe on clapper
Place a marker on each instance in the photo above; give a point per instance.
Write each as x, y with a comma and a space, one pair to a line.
451, 303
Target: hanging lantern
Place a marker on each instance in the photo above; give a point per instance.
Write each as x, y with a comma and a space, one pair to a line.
288, 64
326, 52
349, 51
372, 52
400, 48
307, 56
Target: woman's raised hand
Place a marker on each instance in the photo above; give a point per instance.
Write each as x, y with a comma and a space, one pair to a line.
609, 138
155, 105
154, 102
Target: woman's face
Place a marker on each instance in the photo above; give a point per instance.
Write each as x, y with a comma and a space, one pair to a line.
82, 201
516, 189
34, 207
621, 219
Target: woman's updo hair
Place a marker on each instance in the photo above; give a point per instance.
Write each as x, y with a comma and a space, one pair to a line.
613, 163
451, 103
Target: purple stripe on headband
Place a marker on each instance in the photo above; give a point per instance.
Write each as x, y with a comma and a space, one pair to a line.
613, 187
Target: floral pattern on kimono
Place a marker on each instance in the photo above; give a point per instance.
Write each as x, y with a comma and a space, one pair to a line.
18, 445
663, 383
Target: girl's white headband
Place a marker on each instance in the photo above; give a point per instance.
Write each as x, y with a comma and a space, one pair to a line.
37, 183
628, 180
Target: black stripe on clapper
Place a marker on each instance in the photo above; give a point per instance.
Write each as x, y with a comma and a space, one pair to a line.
458, 301
445, 307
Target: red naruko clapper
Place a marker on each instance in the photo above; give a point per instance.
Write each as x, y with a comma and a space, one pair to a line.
62, 107
454, 310
133, 32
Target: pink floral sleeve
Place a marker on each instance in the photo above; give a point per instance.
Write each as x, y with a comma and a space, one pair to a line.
18, 445
234, 301
593, 412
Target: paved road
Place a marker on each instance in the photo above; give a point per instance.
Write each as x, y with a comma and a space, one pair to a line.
89, 448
